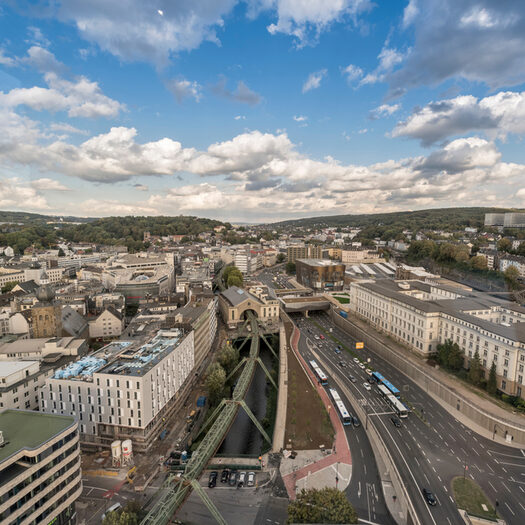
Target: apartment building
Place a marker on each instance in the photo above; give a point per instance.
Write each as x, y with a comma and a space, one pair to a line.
40, 476
518, 262
109, 323
248, 262
306, 251
125, 390
422, 315
20, 384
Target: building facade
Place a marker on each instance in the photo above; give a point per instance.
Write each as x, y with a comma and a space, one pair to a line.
320, 274
109, 323
40, 476
422, 315
125, 390
308, 251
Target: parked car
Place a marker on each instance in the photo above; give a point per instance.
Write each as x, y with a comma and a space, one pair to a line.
251, 479
356, 360
242, 479
431, 499
233, 478
225, 474
396, 421
212, 481
361, 365
367, 386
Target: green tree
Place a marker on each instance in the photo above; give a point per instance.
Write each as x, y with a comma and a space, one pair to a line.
215, 382
290, 268
281, 258
232, 276
504, 245
327, 505
478, 262
228, 358
511, 275
492, 383
474, 373
8, 286
455, 357
131, 514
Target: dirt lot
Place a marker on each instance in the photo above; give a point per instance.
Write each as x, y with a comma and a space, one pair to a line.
307, 421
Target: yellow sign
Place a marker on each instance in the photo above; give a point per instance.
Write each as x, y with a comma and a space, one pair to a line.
359, 345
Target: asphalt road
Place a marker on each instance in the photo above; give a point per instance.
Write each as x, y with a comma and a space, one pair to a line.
364, 491
428, 453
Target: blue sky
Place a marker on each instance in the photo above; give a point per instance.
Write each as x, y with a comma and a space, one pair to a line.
261, 110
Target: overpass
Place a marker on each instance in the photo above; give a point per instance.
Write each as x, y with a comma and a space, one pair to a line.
175, 489
304, 304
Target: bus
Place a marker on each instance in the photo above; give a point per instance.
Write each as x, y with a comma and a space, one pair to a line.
321, 376
398, 407
383, 390
346, 418
381, 380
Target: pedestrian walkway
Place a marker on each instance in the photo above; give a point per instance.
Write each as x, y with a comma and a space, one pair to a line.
315, 469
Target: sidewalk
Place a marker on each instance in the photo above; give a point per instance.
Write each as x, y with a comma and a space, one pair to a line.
282, 399
312, 468
450, 382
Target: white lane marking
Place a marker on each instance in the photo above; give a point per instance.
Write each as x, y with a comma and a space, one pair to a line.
507, 505
493, 487
506, 486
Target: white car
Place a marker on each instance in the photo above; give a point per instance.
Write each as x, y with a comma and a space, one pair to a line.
367, 386
251, 479
361, 365
356, 360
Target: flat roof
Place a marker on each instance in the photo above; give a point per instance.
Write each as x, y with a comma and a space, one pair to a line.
320, 262
11, 367
26, 429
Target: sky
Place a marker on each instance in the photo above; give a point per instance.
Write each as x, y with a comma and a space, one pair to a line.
260, 110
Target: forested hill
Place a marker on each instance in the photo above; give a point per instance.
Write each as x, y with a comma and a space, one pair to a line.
42, 231
448, 219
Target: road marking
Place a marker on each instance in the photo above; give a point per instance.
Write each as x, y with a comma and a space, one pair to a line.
440, 480
503, 454
451, 499
506, 486
510, 509
504, 469
493, 487
445, 487
510, 465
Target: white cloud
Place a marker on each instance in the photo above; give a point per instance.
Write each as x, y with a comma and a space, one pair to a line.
306, 20
183, 88
133, 29
385, 110
43, 60
81, 98
17, 194
352, 73
5, 60
46, 184
497, 115
141, 187
300, 118
410, 12
66, 128
480, 41
388, 58
37, 37
314, 80
239, 117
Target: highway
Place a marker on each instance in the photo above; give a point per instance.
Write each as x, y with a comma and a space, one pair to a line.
428, 453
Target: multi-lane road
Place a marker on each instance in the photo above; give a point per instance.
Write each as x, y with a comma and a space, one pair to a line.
428, 452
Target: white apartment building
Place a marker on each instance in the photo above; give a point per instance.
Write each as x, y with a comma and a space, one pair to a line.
109, 323
125, 390
20, 383
40, 477
247, 262
422, 315
512, 260
358, 255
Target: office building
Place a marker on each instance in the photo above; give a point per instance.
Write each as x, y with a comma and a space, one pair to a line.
40, 476
320, 274
422, 315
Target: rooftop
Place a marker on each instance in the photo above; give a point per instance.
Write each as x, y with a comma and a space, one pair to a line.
11, 367
18, 427
319, 262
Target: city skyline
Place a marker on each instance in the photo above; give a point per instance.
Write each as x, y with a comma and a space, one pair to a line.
261, 111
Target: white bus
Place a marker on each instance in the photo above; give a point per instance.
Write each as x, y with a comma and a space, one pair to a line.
343, 412
400, 409
321, 376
